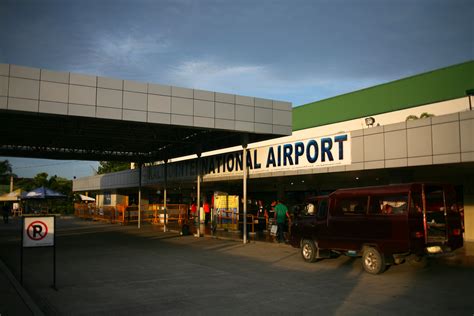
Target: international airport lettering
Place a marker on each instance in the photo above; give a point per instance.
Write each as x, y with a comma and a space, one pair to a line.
308, 153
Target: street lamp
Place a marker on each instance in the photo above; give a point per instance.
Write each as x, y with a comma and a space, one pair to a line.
369, 121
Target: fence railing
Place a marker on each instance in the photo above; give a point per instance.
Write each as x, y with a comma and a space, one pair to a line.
176, 216
123, 214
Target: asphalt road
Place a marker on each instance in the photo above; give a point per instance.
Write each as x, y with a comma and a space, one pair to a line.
105, 269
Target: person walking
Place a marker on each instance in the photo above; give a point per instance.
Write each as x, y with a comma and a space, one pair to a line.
281, 213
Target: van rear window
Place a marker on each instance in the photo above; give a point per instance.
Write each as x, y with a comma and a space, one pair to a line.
388, 204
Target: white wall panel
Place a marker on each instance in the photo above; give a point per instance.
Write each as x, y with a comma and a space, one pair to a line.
225, 98
182, 106
83, 80
53, 107
54, 76
24, 72
3, 102
225, 111
109, 113
23, 88
82, 95
159, 89
51, 91
159, 118
81, 110
109, 83
109, 98
159, 103
3, 86
23, 105
134, 101
4, 69
203, 108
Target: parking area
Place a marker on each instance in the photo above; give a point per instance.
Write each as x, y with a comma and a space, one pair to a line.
122, 270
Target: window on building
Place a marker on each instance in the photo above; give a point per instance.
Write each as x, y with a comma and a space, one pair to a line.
107, 198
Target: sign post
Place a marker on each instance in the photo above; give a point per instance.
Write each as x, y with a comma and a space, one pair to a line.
38, 231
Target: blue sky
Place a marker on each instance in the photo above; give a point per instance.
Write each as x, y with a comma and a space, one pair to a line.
298, 51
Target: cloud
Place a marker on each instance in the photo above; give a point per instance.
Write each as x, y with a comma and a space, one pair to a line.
261, 80
121, 52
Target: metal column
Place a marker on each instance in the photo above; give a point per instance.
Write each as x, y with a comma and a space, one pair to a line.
139, 193
198, 206
165, 191
244, 203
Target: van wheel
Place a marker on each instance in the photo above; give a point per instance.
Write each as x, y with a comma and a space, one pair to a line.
372, 261
418, 261
308, 250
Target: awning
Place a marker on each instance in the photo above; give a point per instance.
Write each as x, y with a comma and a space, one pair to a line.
42, 193
11, 197
86, 198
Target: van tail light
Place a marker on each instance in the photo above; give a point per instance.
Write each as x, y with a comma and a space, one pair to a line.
457, 232
418, 234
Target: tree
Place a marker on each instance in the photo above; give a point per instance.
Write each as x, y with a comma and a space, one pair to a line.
112, 166
5, 172
41, 180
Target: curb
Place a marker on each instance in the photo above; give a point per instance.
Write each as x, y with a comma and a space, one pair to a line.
21, 291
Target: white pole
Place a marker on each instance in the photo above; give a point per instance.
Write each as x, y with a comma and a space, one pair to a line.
139, 193
198, 195
164, 202
244, 165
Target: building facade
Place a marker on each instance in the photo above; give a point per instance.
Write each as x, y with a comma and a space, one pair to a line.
367, 137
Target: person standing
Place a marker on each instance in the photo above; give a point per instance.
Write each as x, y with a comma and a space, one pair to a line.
193, 210
281, 213
262, 216
5, 213
207, 212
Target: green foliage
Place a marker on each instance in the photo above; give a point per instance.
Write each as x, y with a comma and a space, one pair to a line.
425, 115
5, 172
411, 117
112, 166
422, 116
59, 184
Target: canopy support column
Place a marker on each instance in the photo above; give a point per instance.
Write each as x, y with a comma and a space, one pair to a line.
244, 185
139, 193
198, 202
165, 192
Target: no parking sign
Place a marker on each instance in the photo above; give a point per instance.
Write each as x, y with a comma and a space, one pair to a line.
38, 231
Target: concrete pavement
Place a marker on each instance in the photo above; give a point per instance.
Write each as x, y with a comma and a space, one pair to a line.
113, 269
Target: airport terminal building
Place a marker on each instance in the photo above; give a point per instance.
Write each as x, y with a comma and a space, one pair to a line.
416, 129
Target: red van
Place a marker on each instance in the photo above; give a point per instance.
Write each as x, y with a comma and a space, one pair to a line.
384, 225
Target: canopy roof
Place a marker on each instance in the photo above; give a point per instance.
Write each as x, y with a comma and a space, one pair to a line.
61, 115
11, 197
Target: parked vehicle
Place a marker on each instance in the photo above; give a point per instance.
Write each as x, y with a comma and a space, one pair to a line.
384, 225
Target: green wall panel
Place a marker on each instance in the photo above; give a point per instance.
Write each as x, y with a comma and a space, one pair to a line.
434, 86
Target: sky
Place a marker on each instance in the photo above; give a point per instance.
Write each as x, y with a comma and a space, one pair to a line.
298, 51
